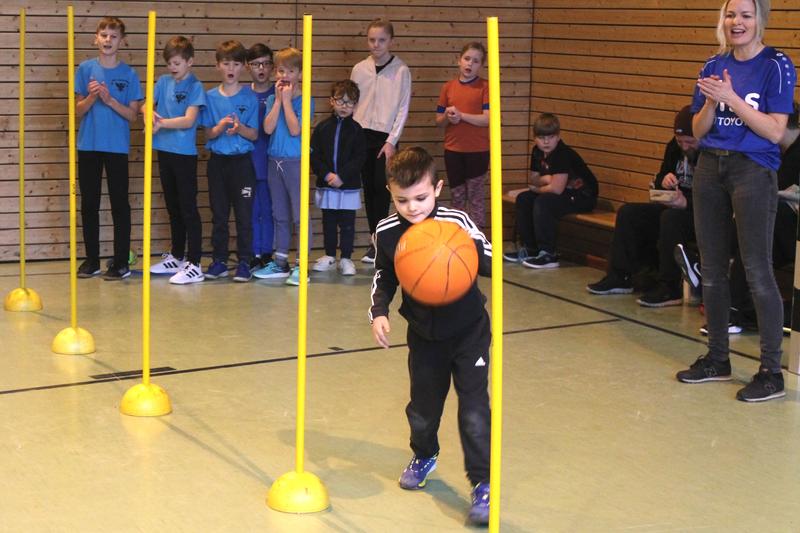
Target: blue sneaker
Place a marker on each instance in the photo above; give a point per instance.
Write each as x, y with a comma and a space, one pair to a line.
243, 273
416, 473
479, 511
294, 277
272, 270
217, 269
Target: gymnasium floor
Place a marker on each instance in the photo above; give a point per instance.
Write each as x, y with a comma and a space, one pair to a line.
598, 436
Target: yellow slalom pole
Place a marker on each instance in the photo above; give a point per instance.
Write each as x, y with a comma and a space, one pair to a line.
147, 399
300, 491
496, 159
22, 298
72, 340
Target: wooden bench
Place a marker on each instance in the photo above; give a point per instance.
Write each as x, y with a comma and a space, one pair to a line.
583, 238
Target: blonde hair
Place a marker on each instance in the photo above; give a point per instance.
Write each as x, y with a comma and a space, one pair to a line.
762, 15
290, 57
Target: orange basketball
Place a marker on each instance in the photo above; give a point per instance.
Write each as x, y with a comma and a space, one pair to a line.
436, 262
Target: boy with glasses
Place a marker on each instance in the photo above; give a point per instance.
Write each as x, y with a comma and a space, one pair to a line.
259, 63
338, 149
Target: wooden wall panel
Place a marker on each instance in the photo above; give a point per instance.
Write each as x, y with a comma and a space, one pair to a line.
617, 72
428, 39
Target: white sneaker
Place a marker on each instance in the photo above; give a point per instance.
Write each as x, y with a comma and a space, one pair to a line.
190, 273
167, 265
346, 267
324, 264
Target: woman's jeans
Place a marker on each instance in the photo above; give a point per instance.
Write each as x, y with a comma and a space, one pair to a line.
729, 184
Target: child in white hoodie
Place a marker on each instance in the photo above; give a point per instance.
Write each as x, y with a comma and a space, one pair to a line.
385, 85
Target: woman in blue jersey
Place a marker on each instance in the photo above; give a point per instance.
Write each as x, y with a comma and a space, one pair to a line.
741, 103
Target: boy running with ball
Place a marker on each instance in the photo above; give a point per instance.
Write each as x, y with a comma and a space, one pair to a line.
445, 342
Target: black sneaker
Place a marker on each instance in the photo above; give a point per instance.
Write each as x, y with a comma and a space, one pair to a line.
115, 273
611, 284
542, 260
89, 268
256, 263
766, 385
517, 256
689, 263
660, 296
706, 369
369, 255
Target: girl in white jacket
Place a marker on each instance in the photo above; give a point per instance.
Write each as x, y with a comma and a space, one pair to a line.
385, 85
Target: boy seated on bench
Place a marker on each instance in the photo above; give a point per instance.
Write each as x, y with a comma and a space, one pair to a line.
561, 183
646, 233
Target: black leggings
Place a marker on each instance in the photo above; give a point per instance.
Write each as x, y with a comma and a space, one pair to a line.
178, 174
345, 221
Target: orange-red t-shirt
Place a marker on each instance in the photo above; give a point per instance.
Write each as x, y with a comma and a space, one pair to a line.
471, 97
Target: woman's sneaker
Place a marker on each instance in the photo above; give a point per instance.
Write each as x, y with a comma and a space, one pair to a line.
705, 369
167, 265
272, 270
347, 267
190, 273
369, 255
689, 263
611, 284
479, 510
416, 473
766, 385
217, 269
324, 264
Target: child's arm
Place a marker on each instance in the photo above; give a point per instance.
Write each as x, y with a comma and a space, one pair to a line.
350, 168
177, 123
454, 116
271, 118
384, 285
251, 134
288, 111
84, 103
552, 183
128, 112
220, 127
400, 118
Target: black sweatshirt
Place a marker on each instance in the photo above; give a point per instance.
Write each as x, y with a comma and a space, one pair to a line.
351, 151
430, 322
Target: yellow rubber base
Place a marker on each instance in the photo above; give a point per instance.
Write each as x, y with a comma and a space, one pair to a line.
298, 492
73, 341
145, 400
23, 300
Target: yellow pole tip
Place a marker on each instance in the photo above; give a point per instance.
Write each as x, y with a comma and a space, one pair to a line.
73, 341
145, 400
298, 492
22, 300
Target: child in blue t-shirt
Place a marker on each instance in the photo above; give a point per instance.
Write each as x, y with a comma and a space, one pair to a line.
230, 119
259, 63
107, 101
178, 97
282, 122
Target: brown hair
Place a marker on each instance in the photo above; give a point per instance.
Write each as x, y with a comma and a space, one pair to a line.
178, 45
259, 50
290, 57
112, 23
546, 124
231, 51
382, 24
347, 88
409, 166
474, 45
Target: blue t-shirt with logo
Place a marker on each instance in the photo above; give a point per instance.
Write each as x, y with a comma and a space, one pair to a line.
243, 105
766, 82
102, 129
259, 153
172, 99
283, 144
